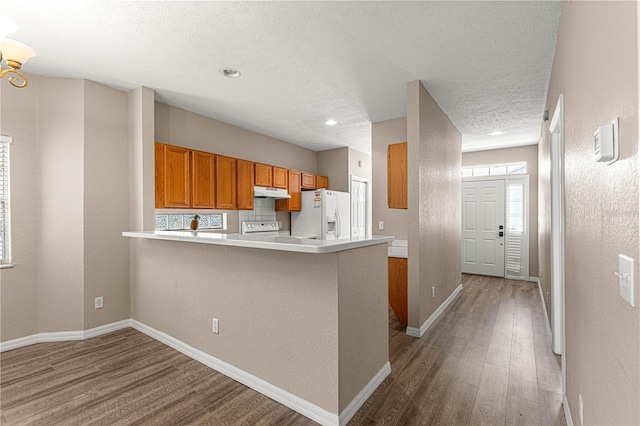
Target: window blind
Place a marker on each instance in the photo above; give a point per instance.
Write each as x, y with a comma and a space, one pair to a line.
5, 218
515, 229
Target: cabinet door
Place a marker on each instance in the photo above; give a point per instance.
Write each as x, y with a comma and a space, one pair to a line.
280, 178
308, 181
322, 182
398, 288
263, 175
176, 177
225, 183
159, 165
397, 176
291, 204
245, 185
202, 180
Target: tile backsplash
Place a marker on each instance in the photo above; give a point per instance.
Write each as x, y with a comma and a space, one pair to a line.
263, 209
183, 221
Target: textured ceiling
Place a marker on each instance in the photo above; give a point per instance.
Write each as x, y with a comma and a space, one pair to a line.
487, 64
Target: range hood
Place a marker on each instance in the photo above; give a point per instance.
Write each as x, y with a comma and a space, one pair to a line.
263, 192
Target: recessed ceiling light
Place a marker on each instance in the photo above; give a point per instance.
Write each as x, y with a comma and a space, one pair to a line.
230, 72
331, 122
496, 133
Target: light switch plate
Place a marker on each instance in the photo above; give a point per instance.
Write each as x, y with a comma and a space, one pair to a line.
626, 279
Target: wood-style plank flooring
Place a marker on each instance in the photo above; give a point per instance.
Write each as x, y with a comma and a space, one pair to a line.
486, 361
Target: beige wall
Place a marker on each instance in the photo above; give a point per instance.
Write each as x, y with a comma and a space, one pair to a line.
179, 127
340, 163
70, 211
106, 204
363, 336
334, 163
601, 207
295, 346
507, 155
19, 285
141, 107
355, 169
61, 136
395, 220
434, 194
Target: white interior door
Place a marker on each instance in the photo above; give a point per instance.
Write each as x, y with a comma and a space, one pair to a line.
483, 227
358, 209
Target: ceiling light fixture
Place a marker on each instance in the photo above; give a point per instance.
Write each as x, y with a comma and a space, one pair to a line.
230, 72
15, 54
331, 122
496, 133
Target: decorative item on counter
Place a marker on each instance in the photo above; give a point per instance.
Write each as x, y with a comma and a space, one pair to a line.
194, 222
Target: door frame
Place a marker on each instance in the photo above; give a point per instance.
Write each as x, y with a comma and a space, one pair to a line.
506, 178
368, 213
557, 235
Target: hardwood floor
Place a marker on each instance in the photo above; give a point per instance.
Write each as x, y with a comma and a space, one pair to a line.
487, 360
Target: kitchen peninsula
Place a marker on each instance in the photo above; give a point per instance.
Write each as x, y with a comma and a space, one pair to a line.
304, 322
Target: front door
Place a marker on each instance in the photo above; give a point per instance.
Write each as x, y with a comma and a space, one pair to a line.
483, 227
358, 208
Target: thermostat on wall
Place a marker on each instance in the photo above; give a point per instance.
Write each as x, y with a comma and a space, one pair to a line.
605, 141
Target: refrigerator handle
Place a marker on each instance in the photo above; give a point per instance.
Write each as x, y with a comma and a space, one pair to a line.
338, 225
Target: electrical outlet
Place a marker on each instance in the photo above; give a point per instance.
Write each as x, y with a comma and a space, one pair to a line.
215, 328
381, 226
580, 409
99, 302
433, 292
547, 298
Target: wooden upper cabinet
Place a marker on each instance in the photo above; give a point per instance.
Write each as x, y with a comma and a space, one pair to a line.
397, 176
176, 176
226, 183
308, 181
159, 165
280, 178
202, 180
291, 204
263, 175
245, 178
322, 182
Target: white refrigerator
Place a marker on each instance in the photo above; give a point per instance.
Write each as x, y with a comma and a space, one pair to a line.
323, 215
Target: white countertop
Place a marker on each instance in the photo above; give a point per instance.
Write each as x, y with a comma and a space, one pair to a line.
399, 248
284, 243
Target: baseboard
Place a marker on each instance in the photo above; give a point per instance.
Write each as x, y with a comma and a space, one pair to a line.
567, 411
292, 401
419, 332
544, 307
364, 394
62, 336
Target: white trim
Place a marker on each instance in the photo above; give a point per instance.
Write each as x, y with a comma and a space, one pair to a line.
567, 411
544, 306
6, 139
364, 394
290, 400
63, 336
419, 332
